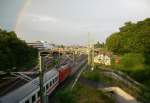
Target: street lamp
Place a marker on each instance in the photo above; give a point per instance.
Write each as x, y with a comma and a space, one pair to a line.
42, 54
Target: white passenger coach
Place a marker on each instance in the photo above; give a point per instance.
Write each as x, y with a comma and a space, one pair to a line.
30, 92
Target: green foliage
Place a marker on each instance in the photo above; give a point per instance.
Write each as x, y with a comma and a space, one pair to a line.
92, 75
65, 96
55, 62
82, 94
86, 94
98, 45
14, 53
59, 46
132, 61
114, 43
146, 96
132, 37
133, 42
96, 75
134, 65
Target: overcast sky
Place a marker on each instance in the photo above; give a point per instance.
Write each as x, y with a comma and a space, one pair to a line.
69, 21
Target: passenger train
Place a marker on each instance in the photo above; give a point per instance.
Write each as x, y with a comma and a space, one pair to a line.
30, 92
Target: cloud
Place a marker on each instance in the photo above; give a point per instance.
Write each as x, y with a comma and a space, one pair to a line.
39, 18
68, 21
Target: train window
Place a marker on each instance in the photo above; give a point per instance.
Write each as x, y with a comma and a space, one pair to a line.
44, 89
53, 81
46, 86
50, 83
56, 79
27, 101
38, 94
33, 98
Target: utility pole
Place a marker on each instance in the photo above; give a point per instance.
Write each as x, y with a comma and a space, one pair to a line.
73, 56
90, 53
92, 57
89, 50
59, 56
41, 75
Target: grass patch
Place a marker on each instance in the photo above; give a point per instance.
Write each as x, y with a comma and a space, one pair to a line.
82, 94
91, 75
97, 76
85, 94
65, 96
142, 94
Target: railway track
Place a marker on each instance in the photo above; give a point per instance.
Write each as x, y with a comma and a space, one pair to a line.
68, 82
10, 84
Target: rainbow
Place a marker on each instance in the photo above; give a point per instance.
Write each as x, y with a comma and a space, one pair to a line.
21, 14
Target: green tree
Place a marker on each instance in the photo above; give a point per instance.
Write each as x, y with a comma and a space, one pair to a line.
114, 43
15, 53
98, 45
132, 61
132, 38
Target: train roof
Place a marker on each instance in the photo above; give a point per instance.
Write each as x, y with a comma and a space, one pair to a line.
23, 91
63, 66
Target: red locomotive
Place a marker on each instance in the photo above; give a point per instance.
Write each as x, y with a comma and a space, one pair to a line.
64, 72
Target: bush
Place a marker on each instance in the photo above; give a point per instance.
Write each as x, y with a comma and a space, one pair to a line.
132, 62
65, 96
133, 65
92, 75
